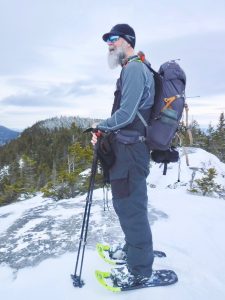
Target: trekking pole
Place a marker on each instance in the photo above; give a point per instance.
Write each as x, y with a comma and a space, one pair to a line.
105, 197
76, 277
179, 161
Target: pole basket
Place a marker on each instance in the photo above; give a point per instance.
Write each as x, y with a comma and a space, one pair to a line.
77, 282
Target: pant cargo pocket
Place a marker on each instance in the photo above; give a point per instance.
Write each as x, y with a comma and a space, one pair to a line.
120, 188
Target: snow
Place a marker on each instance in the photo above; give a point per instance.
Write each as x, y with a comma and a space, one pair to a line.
15, 210
4, 171
189, 228
66, 122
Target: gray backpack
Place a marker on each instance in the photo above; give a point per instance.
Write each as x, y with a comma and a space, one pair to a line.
168, 106
167, 110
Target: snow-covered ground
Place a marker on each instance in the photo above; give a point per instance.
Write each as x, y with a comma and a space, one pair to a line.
39, 237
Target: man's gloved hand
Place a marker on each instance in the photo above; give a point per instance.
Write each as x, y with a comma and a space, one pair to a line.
95, 135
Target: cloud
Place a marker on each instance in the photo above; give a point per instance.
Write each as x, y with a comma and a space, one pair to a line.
53, 59
73, 89
30, 101
207, 110
202, 58
39, 94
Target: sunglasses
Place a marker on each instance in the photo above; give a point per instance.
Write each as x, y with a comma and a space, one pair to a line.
113, 39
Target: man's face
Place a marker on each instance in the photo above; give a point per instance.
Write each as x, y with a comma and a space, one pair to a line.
117, 52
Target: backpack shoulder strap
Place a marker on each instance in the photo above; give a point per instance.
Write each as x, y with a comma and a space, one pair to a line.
142, 119
158, 88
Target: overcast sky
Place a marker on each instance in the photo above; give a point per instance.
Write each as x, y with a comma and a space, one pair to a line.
53, 61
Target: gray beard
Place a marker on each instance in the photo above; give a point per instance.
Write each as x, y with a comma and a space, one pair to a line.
115, 57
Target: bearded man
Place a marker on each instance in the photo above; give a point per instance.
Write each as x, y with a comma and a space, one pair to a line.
134, 93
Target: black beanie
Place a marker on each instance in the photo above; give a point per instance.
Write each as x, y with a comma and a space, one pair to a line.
123, 30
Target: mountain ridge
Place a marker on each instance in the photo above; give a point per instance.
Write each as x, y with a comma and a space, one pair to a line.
7, 135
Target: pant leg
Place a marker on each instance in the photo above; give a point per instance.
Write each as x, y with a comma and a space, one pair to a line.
128, 181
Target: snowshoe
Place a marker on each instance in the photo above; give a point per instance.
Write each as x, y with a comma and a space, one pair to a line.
116, 254
121, 279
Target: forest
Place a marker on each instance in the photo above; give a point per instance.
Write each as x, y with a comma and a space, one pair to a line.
50, 159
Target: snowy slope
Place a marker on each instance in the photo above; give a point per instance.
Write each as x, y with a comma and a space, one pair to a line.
38, 239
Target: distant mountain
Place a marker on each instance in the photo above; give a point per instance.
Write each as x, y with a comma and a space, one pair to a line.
66, 122
7, 135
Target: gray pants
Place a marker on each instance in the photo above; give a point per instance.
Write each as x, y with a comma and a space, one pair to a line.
128, 182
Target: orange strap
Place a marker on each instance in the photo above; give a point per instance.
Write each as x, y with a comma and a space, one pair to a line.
169, 101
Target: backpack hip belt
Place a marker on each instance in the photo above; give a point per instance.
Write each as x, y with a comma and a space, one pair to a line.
128, 137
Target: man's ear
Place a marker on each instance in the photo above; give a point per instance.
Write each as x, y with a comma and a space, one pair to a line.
125, 43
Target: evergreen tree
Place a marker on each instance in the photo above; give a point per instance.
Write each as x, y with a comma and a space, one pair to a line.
39, 158
219, 138
207, 185
28, 174
209, 145
198, 136
221, 124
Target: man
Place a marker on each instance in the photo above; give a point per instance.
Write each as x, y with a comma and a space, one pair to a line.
135, 93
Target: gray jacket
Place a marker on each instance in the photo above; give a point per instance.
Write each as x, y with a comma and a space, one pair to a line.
137, 93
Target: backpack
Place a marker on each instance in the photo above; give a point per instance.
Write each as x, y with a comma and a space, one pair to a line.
166, 112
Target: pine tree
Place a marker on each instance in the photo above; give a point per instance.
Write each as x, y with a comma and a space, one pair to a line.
209, 145
28, 171
219, 138
198, 136
221, 124
207, 185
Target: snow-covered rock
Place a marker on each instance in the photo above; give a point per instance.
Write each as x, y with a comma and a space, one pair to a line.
39, 239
